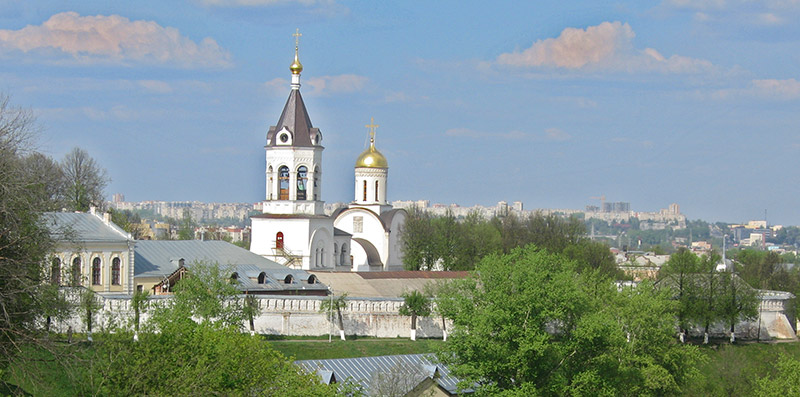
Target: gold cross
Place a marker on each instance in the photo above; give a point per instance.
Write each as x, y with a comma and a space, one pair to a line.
372, 126
297, 35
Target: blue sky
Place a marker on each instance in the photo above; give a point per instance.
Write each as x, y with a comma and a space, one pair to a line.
547, 102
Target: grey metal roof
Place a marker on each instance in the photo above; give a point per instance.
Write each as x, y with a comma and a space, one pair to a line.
160, 258
82, 227
295, 118
361, 370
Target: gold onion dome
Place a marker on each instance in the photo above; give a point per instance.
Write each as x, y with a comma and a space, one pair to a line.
371, 158
296, 66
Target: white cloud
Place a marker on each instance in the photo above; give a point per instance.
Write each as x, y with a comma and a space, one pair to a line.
160, 87
776, 89
549, 134
751, 12
113, 39
323, 85
261, 3
771, 89
607, 46
343, 83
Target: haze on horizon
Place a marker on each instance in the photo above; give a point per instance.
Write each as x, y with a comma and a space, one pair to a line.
686, 101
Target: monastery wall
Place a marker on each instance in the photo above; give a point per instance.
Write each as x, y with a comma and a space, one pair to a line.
379, 317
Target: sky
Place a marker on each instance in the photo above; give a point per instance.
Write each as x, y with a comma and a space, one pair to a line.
551, 103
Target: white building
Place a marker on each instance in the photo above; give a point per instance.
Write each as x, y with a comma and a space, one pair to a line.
294, 230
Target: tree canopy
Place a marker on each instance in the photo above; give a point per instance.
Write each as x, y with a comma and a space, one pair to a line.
526, 323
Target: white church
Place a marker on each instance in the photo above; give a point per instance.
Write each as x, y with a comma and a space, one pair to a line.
294, 230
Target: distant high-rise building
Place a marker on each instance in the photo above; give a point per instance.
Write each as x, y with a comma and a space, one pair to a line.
118, 197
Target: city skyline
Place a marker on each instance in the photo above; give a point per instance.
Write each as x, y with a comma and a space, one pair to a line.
551, 104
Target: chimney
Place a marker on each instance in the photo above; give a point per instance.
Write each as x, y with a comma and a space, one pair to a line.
107, 217
93, 210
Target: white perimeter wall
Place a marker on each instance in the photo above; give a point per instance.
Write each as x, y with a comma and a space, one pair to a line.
378, 317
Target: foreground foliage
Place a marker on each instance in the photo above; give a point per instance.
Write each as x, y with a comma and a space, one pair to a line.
193, 345
527, 323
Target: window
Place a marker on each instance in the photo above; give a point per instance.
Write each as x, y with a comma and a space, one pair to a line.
115, 270
343, 257
96, 271
279, 240
262, 278
288, 279
55, 272
269, 183
283, 182
365, 191
312, 279
376, 190
76, 271
302, 181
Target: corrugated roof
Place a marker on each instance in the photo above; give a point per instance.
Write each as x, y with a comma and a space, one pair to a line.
362, 370
82, 227
160, 258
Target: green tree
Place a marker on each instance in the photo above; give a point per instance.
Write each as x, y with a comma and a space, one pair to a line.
89, 305
526, 323
738, 301
25, 241
415, 304
251, 310
84, 181
186, 226
193, 345
139, 304
786, 382
417, 236
129, 221
335, 304
680, 274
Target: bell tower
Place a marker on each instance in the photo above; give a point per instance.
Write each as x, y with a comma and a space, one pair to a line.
294, 155
371, 172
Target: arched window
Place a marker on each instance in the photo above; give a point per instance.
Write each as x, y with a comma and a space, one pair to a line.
283, 181
55, 272
76, 271
96, 271
302, 181
279, 240
365, 191
234, 277
343, 257
312, 279
115, 271
335, 252
376, 190
262, 278
288, 279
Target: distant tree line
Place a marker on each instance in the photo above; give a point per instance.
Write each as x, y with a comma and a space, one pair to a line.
444, 242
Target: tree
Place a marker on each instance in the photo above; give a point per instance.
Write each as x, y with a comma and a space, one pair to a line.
192, 345
738, 301
89, 305
25, 242
129, 221
206, 293
251, 309
786, 382
84, 181
681, 272
139, 304
336, 304
415, 304
418, 241
186, 227
526, 323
